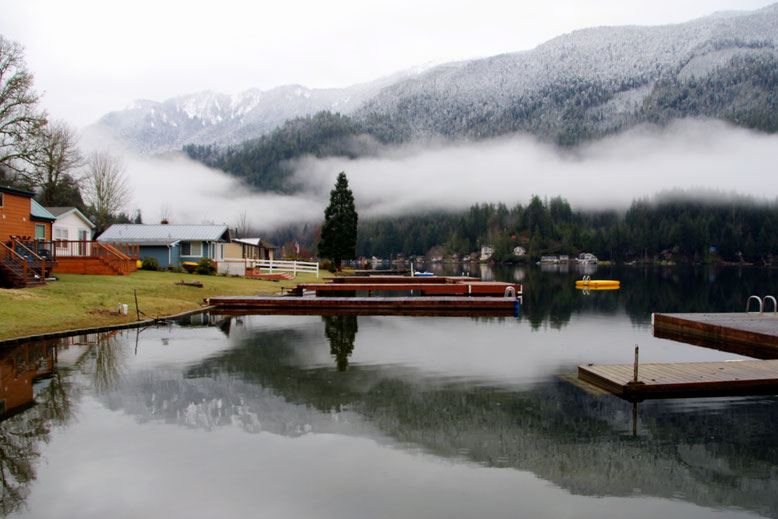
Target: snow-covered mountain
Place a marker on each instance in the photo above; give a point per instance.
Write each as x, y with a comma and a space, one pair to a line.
595, 79
212, 117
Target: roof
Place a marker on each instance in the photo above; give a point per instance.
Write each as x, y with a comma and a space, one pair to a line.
60, 212
163, 233
256, 242
38, 212
14, 191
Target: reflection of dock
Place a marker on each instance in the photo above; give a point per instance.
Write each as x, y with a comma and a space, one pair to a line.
685, 379
750, 334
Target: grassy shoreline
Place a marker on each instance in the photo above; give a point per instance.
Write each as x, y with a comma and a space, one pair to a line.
77, 301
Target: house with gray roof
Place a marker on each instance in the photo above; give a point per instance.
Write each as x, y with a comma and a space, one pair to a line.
171, 245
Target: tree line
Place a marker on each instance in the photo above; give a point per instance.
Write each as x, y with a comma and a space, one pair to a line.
42, 155
674, 226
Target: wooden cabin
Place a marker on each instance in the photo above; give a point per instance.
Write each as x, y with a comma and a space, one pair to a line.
24, 226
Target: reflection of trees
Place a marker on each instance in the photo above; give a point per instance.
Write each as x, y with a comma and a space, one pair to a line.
694, 289
552, 296
22, 434
340, 330
105, 362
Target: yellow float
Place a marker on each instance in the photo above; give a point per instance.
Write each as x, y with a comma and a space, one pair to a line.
597, 284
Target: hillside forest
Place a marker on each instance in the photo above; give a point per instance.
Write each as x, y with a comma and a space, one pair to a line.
673, 226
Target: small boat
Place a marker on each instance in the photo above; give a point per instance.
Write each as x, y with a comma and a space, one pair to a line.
597, 284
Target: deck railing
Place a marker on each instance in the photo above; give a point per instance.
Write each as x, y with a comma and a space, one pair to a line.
86, 249
130, 250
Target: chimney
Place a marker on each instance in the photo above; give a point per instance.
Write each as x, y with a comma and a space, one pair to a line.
164, 221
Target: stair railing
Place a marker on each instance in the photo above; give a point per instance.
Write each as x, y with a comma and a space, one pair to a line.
36, 260
8, 254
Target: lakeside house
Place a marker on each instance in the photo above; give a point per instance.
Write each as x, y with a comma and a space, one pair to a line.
22, 217
70, 224
486, 252
25, 227
236, 253
171, 245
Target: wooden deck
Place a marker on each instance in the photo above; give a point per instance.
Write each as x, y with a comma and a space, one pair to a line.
751, 334
685, 379
461, 305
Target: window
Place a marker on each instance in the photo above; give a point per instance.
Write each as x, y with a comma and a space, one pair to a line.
40, 231
1, 199
60, 233
192, 248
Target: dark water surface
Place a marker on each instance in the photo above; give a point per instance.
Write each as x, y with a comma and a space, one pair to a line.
390, 416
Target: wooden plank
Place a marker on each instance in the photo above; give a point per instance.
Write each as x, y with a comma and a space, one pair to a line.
662, 380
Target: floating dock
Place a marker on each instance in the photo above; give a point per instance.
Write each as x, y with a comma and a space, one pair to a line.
453, 296
461, 288
685, 379
750, 334
450, 305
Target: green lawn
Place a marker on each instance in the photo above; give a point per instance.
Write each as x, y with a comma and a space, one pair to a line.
76, 301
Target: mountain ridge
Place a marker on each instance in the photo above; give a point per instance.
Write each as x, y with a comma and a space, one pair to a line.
578, 85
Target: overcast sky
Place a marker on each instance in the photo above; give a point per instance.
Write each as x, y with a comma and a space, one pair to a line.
90, 57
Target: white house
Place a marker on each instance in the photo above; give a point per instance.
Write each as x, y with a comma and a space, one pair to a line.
519, 251
486, 252
71, 231
70, 224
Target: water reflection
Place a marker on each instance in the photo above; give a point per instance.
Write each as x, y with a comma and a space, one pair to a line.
469, 403
340, 330
35, 398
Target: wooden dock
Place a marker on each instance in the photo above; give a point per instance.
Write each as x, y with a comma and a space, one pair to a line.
477, 288
751, 334
685, 379
450, 305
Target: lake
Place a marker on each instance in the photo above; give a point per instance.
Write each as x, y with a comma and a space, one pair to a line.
304, 416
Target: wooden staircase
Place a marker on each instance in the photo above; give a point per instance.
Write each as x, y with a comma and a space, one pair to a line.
20, 271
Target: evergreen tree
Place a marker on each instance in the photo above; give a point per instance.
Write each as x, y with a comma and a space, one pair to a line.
339, 231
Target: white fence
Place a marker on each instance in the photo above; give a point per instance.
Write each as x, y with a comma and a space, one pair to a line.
237, 266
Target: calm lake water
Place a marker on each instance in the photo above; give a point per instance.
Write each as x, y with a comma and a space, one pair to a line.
390, 416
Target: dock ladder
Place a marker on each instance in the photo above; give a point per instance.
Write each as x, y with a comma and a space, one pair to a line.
761, 302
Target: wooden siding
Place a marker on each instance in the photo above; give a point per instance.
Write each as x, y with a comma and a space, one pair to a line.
15, 218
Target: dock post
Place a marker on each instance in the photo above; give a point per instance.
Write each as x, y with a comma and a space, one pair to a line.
635, 379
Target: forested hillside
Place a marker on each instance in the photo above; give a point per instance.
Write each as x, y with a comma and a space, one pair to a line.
672, 226
743, 92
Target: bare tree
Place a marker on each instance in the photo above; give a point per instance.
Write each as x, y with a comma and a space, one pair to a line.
19, 119
243, 225
56, 155
106, 188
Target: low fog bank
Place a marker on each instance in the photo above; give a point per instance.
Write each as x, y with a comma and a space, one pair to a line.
705, 156
609, 173
187, 192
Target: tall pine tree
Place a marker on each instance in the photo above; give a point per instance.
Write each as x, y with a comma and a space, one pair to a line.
339, 231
